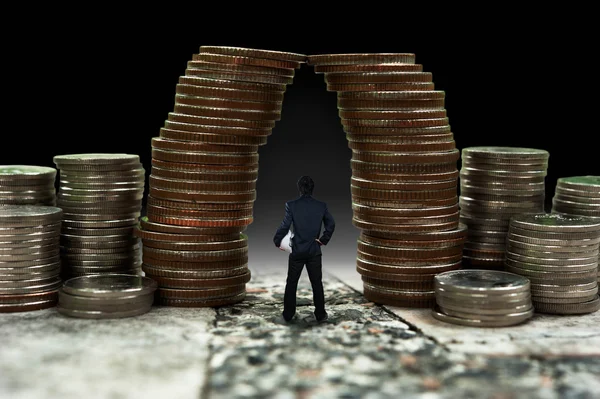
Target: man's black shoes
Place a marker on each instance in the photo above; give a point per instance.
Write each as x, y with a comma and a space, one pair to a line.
280, 319
322, 318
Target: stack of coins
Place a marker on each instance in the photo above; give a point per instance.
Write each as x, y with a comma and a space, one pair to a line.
495, 184
577, 195
204, 170
27, 185
106, 296
29, 257
404, 173
101, 196
559, 254
482, 298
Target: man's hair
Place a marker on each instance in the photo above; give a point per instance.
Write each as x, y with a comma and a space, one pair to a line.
306, 185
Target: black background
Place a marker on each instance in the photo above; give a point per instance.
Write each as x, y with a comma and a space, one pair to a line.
104, 81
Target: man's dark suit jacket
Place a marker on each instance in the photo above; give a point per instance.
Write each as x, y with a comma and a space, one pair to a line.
306, 213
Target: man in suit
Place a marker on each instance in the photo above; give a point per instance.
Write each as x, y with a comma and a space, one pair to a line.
306, 213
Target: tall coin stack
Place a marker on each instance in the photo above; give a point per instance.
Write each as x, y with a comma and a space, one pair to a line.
495, 184
29, 257
204, 173
559, 255
27, 185
101, 197
404, 173
577, 195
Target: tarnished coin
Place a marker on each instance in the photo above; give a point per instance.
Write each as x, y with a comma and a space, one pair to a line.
506, 152
504, 321
366, 68
393, 114
109, 286
18, 175
363, 75
410, 85
401, 104
94, 314
243, 60
230, 84
364, 58
212, 121
479, 314
212, 138
197, 63
171, 229
196, 303
568, 308
489, 282
555, 222
256, 53
276, 80
28, 215
588, 183
96, 159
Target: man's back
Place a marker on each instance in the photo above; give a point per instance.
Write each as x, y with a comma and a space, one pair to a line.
306, 214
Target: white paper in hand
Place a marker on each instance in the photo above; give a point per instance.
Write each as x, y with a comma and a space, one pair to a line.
286, 243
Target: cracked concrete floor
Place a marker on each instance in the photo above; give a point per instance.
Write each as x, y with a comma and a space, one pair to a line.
362, 351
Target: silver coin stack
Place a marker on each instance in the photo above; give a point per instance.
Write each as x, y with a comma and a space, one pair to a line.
577, 195
495, 184
101, 196
106, 296
27, 185
559, 255
29, 257
482, 298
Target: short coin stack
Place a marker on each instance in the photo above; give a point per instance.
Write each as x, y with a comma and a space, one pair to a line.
204, 171
577, 195
101, 196
482, 298
495, 184
27, 185
106, 296
404, 173
29, 257
559, 254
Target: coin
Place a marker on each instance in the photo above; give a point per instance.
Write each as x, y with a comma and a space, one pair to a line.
365, 58
555, 222
489, 282
505, 321
25, 175
230, 84
28, 215
276, 80
409, 85
198, 63
93, 314
109, 286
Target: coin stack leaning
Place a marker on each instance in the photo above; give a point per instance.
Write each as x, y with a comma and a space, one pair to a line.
482, 298
495, 184
559, 255
29, 257
404, 173
101, 196
27, 185
577, 195
202, 184
106, 296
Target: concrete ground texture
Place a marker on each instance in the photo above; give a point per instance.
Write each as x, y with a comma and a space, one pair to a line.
363, 350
